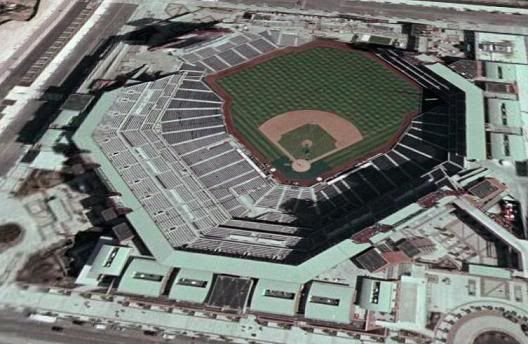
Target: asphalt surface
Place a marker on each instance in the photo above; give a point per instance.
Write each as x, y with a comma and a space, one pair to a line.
462, 19
17, 329
38, 51
11, 147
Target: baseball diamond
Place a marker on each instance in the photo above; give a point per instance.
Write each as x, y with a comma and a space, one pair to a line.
362, 106
308, 142
310, 134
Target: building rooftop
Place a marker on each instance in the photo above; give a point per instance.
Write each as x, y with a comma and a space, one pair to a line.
191, 286
330, 302
144, 277
412, 298
230, 293
501, 47
93, 269
518, 245
490, 271
110, 260
377, 295
276, 297
371, 260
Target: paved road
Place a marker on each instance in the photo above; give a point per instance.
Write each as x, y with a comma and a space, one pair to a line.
65, 79
461, 19
17, 329
23, 67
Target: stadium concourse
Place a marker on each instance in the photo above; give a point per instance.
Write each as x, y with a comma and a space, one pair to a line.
197, 197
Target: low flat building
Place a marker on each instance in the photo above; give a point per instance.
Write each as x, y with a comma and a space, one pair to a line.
501, 47
377, 295
330, 302
230, 293
144, 277
276, 297
371, 260
107, 259
191, 286
411, 300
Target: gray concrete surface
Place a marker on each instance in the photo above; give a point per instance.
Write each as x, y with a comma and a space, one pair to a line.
15, 328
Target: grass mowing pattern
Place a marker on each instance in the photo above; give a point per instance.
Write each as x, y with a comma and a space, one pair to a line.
348, 83
320, 142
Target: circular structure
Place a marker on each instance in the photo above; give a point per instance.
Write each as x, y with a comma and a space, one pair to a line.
10, 235
481, 326
495, 337
301, 165
348, 103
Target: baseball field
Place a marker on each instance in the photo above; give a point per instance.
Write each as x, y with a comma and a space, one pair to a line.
324, 105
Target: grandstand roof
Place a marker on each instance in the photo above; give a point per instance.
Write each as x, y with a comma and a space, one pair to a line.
191, 286
475, 117
144, 277
330, 302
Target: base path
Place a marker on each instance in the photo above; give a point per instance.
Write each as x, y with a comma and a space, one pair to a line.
344, 132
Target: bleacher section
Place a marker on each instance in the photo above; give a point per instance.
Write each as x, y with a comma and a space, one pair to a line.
240, 48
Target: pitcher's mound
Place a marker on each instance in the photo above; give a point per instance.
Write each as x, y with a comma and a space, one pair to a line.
301, 165
307, 143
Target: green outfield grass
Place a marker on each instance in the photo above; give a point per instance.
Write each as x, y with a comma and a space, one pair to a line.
295, 142
348, 83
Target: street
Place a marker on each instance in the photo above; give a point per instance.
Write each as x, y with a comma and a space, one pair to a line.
63, 79
17, 329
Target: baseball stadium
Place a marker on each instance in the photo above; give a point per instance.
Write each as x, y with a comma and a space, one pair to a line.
312, 111
264, 150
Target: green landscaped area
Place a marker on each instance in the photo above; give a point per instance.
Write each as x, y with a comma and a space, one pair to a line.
307, 142
348, 83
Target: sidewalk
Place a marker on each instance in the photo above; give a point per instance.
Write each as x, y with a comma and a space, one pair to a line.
246, 329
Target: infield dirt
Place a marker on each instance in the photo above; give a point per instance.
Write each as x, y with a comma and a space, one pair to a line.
344, 132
